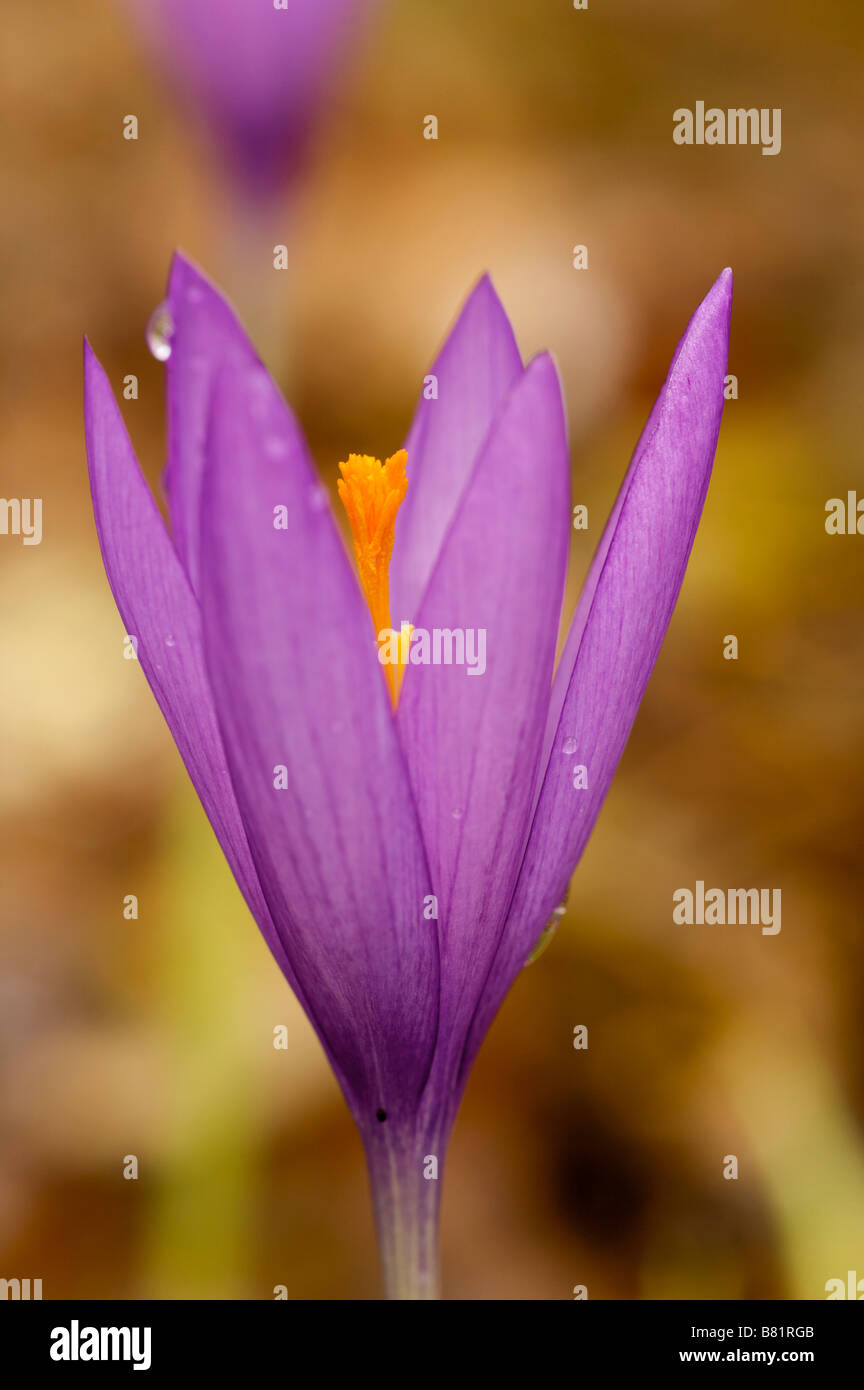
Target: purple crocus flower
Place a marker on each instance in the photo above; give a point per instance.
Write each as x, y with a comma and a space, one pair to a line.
257, 72
402, 863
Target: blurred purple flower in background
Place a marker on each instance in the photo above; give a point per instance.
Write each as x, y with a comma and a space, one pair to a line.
255, 72
402, 863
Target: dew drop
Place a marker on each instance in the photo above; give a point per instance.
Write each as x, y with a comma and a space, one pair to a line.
260, 391
456, 813
547, 933
160, 331
570, 746
274, 447
169, 641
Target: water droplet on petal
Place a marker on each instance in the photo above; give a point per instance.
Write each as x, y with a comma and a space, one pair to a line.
169, 641
275, 447
160, 331
570, 746
317, 498
259, 395
548, 932
456, 813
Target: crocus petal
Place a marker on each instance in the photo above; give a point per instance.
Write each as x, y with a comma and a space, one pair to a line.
472, 741
160, 612
619, 628
475, 369
257, 73
312, 747
205, 333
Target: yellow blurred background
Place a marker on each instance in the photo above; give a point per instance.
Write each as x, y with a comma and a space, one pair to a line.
154, 1036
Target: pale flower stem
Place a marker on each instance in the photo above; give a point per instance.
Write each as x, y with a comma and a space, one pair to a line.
406, 1215
261, 293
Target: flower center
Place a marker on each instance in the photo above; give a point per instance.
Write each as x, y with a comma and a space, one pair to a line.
372, 493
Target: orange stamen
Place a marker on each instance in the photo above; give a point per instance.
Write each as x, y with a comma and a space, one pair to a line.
372, 494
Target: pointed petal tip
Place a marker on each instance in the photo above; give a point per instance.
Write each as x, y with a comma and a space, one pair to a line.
543, 370
719, 297
94, 373
188, 282
542, 362
708, 329
483, 289
483, 293
184, 275
183, 267
483, 311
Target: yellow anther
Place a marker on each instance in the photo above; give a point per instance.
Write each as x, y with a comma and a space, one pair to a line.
372, 494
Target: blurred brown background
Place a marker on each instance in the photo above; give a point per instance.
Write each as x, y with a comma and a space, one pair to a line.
154, 1037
